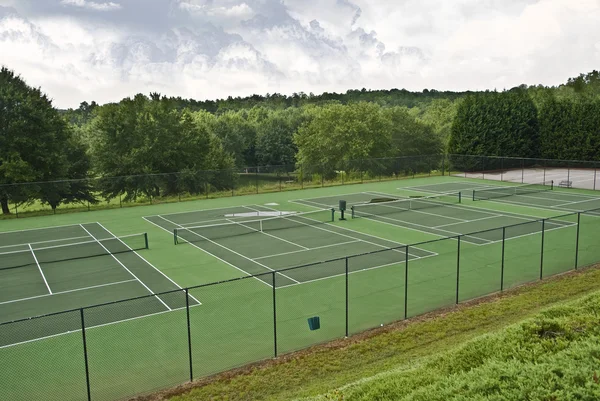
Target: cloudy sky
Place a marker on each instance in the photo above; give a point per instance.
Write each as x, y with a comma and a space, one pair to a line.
105, 50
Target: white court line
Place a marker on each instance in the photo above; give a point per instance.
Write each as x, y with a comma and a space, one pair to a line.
380, 238
204, 250
52, 247
535, 232
307, 201
125, 267
271, 235
149, 264
321, 206
359, 239
43, 242
574, 202
42, 228
66, 292
40, 269
373, 218
202, 222
231, 250
92, 327
241, 223
470, 221
502, 213
308, 249
198, 211
421, 211
358, 271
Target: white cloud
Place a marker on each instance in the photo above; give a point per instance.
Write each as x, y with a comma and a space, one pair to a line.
109, 6
216, 48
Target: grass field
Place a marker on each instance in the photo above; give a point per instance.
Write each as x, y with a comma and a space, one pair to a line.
454, 251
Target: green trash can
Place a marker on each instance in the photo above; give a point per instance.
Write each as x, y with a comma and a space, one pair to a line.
314, 323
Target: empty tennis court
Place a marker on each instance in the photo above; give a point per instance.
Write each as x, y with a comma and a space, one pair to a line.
54, 269
441, 215
257, 239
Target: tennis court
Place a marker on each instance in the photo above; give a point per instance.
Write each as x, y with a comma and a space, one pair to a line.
257, 239
542, 195
54, 269
261, 270
445, 215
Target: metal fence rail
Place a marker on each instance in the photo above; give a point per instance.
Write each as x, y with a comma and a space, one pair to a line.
121, 349
118, 192
574, 173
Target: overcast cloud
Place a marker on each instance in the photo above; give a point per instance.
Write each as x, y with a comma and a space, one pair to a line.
104, 50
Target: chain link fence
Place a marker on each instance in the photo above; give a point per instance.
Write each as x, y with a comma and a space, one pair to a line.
566, 173
122, 349
119, 192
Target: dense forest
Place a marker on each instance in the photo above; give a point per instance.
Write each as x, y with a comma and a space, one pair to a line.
206, 142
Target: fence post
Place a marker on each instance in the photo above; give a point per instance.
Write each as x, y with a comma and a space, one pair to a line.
347, 297
457, 268
568, 171
322, 178
406, 283
443, 165
577, 241
502, 169
483, 167
502, 266
120, 201
542, 255
301, 176
256, 178
85, 356
274, 318
522, 170
595, 171
189, 332
17, 207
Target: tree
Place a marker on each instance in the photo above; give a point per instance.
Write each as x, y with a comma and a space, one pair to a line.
141, 145
275, 136
570, 128
496, 124
337, 134
36, 145
237, 135
410, 137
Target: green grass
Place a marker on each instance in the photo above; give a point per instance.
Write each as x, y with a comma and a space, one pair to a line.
412, 346
234, 325
553, 356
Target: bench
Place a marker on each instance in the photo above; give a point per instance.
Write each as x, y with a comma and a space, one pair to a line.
566, 184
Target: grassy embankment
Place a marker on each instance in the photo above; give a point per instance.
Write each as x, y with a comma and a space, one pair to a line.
509, 346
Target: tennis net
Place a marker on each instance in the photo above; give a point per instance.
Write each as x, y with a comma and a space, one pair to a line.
79, 250
501, 192
236, 228
403, 205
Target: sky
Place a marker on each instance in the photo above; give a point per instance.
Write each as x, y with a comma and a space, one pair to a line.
105, 50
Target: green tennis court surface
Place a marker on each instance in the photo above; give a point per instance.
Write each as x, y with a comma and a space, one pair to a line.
258, 239
55, 269
257, 268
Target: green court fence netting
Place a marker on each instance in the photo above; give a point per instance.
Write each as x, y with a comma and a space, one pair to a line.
122, 349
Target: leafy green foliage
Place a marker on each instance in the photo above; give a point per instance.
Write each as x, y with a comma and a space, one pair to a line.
496, 124
143, 140
554, 356
337, 134
36, 145
275, 135
570, 129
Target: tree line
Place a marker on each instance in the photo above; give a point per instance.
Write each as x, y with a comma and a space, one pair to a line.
125, 146
537, 122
